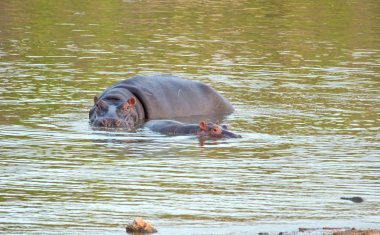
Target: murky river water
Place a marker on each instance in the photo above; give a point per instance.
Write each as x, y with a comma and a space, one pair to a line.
302, 75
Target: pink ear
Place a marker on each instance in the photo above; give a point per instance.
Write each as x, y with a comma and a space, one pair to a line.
202, 126
95, 99
132, 101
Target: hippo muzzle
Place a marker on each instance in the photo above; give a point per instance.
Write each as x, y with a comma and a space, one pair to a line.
109, 123
214, 130
228, 134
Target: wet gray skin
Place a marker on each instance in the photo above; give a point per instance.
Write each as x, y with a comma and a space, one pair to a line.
202, 130
133, 100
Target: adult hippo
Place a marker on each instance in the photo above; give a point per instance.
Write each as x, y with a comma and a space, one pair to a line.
201, 130
133, 100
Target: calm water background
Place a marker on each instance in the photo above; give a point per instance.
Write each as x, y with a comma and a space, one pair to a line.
302, 75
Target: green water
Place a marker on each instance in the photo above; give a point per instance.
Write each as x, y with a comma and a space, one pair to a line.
303, 77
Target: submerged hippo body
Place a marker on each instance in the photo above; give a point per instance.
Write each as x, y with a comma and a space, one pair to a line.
203, 130
155, 97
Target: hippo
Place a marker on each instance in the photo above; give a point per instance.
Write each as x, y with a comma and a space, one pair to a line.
202, 130
130, 102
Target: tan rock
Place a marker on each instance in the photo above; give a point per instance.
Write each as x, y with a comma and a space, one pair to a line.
140, 226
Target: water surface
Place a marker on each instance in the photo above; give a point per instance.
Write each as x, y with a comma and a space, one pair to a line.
302, 75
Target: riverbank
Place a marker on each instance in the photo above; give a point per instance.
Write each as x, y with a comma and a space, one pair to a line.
331, 231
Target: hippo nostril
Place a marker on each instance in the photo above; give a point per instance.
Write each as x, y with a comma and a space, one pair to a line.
104, 122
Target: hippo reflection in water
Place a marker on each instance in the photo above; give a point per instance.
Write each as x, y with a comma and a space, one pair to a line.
128, 103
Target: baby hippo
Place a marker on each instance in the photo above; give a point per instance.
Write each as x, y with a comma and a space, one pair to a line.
203, 130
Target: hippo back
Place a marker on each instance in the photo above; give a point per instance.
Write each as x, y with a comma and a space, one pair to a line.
165, 96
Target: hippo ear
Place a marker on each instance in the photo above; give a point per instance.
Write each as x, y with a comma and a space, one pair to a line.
95, 99
132, 101
202, 126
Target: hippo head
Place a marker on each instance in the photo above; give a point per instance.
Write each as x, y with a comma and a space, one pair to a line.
112, 114
213, 130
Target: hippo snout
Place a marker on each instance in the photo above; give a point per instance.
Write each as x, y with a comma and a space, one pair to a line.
108, 123
227, 134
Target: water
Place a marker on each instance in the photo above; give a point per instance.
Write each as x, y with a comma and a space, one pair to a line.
303, 77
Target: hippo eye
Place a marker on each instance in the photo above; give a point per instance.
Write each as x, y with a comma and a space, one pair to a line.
100, 110
216, 130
